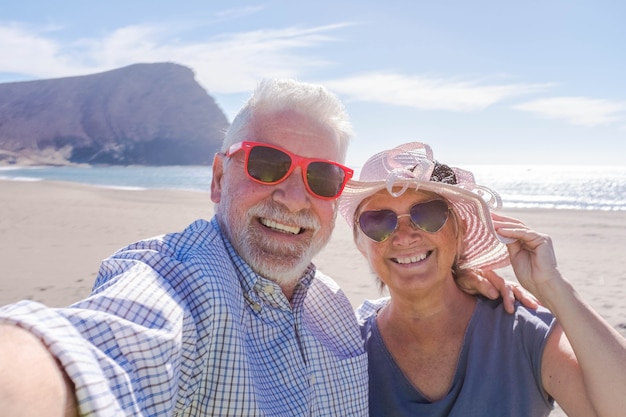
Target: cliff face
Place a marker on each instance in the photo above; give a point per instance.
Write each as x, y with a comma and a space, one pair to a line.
146, 114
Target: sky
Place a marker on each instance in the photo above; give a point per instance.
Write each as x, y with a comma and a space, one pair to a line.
482, 82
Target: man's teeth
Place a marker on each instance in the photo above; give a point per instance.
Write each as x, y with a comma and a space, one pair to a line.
279, 226
411, 259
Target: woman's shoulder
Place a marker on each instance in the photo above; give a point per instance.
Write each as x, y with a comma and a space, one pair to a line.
492, 314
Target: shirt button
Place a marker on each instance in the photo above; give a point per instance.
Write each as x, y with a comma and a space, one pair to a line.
256, 307
312, 379
268, 289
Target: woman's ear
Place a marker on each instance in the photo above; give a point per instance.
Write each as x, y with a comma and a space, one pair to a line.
358, 241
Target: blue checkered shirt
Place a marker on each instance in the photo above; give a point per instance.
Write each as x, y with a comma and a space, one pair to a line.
180, 325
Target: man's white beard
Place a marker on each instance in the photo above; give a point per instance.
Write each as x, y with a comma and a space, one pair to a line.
280, 262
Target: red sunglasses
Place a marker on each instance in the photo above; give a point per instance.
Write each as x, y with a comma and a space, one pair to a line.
269, 164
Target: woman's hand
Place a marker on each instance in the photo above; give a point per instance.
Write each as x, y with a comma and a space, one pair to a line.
532, 257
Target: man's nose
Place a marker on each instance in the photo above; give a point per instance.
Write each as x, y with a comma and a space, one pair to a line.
292, 192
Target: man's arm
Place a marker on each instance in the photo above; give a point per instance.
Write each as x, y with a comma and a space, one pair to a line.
32, 383
492, 285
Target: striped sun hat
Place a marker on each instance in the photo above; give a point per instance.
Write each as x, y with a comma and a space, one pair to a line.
411, 166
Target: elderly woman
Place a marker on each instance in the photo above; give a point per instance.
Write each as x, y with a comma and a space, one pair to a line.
433, 349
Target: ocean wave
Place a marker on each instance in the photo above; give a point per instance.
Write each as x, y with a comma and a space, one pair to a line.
550, 187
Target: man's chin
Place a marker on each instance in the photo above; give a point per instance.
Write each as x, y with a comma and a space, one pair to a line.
283, 263
280, 269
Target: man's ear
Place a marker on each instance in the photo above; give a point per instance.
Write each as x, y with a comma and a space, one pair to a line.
216, 181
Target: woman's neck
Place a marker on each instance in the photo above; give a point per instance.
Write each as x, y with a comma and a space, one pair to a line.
436, 311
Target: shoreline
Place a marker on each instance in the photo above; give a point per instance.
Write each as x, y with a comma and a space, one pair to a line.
54, 234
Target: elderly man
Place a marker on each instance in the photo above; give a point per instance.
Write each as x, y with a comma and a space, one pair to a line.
228, 317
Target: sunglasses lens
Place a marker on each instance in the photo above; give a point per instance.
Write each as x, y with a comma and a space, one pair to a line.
267, 164
378, 225
430, 216
325, 179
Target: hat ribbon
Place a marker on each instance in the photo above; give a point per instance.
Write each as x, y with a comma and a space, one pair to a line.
421, 172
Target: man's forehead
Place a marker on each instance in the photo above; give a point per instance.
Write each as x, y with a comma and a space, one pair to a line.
299, 133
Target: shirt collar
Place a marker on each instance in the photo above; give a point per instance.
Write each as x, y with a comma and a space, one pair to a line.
252, 282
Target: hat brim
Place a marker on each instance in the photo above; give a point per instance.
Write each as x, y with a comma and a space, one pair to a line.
482, 249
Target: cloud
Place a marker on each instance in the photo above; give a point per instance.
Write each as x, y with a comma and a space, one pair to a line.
428, 93
580, 111
235, 63
29, 51
223, 63
239, 12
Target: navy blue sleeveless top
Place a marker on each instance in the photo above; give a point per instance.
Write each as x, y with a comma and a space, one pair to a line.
498, 371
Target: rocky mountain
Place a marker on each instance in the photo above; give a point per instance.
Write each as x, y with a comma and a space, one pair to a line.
145, 114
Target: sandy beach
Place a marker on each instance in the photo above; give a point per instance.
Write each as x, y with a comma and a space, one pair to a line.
53, 236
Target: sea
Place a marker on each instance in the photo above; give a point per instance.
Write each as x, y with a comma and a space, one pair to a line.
572, 187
